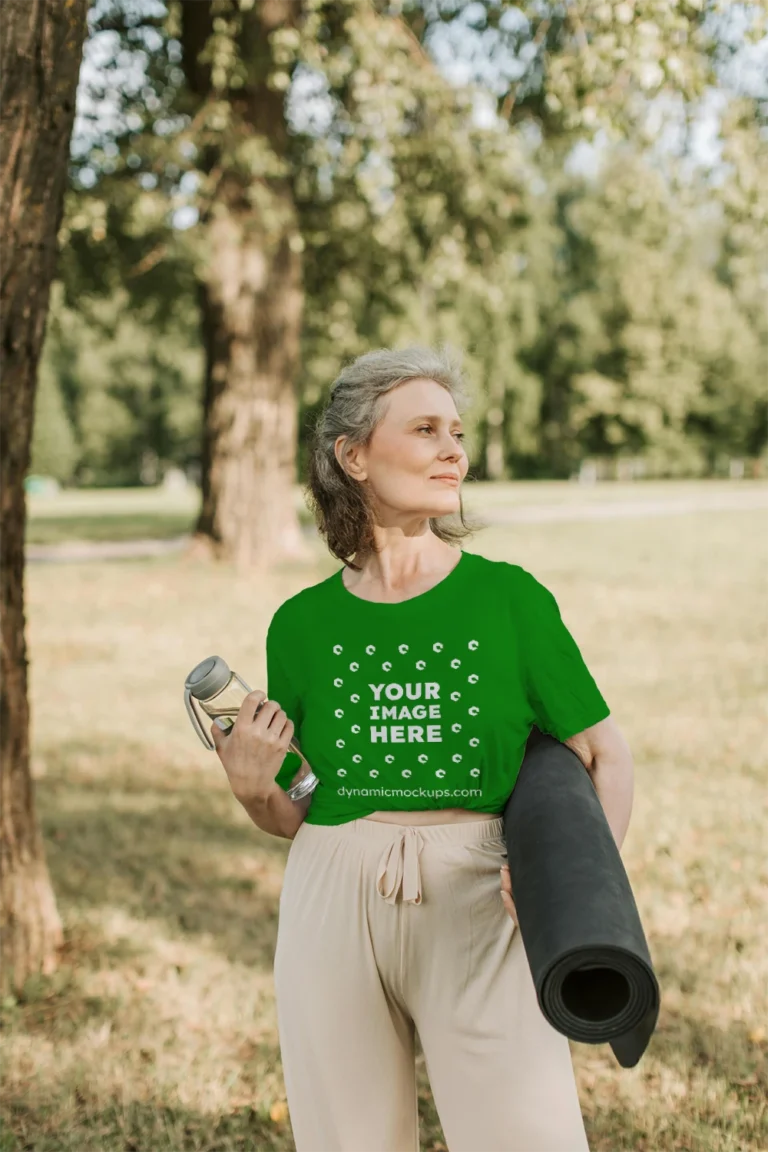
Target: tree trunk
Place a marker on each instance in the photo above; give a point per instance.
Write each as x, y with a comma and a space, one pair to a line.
40, 53
251, 303
251, 311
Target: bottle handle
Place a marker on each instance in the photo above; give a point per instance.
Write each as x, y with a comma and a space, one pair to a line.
204, 737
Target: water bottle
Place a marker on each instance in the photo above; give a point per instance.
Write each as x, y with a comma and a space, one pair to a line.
215, 692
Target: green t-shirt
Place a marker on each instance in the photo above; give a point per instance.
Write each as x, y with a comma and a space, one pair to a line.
429, 703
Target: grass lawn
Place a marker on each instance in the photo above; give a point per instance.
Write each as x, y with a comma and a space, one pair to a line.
153, 513
158, 1034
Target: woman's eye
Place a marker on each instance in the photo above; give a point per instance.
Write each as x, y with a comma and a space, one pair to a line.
426, 427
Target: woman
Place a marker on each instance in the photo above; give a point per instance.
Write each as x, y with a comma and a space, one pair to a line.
412, 678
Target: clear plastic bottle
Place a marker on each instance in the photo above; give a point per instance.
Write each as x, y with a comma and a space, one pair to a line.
215, 692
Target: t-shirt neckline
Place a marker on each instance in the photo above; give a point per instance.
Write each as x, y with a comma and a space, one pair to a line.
445, 585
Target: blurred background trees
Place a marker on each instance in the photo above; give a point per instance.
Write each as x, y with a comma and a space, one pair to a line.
571, 192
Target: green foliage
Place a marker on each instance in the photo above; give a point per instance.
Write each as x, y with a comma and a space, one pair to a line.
618, 315
54, 450
647, 352
124, 389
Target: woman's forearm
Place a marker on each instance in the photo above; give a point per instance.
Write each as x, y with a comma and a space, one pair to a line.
614, 781
276, 813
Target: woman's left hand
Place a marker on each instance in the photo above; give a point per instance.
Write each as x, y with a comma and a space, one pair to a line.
506, 892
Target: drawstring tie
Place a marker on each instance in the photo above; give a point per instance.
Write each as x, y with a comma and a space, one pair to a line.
399, 864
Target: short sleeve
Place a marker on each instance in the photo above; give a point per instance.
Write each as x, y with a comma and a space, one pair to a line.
284, 689
561, 690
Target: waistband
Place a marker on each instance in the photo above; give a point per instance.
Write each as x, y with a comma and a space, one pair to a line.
379, 831
398, 867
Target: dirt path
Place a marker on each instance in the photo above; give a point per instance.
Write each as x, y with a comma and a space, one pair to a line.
103, 550
625, 509
523, 513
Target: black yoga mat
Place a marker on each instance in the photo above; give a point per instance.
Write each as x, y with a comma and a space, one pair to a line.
576, 913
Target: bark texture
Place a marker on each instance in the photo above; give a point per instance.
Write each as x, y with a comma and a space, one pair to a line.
41, 43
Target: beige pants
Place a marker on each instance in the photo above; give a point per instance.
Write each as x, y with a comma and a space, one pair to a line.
385, 928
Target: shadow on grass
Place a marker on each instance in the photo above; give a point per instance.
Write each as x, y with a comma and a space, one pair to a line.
138, 1127
123, 832
68, 1120
175, 853
690, 1043
108, 527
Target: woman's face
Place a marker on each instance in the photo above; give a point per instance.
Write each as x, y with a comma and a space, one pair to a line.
419, 437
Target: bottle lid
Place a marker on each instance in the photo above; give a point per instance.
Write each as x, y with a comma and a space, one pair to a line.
208, 678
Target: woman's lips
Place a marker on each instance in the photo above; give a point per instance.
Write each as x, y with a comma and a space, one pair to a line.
446, 479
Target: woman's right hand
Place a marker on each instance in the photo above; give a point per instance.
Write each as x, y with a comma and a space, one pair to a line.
255, 747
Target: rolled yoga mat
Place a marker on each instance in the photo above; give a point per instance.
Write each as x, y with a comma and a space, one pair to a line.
577, 916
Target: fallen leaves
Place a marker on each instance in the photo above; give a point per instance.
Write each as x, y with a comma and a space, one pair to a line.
278, 1112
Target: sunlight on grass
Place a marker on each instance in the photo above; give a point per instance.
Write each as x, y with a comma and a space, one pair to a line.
159, 1032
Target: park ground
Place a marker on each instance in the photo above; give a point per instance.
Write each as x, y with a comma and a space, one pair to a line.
158, 1032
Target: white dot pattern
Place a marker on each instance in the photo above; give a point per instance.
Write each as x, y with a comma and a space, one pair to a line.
404, 708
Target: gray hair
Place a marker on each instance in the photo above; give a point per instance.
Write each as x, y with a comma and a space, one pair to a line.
340, 504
